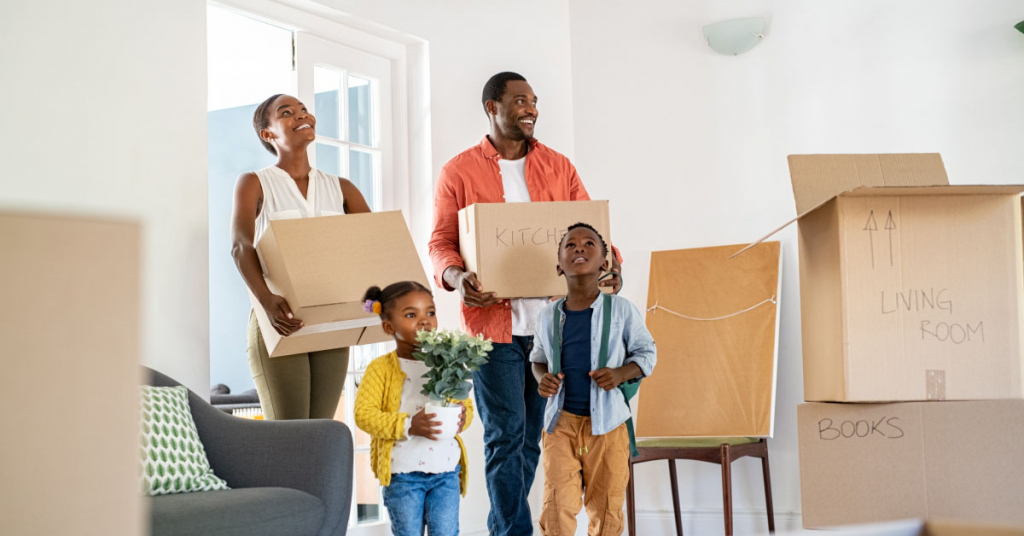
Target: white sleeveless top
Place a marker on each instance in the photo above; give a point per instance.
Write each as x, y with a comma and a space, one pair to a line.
282, 199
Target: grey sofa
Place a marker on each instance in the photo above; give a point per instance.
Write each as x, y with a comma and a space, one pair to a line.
287, 478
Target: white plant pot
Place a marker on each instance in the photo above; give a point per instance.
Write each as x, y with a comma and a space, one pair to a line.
449, 418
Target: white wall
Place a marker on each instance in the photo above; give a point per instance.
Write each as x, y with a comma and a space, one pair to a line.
691, 148
105, 113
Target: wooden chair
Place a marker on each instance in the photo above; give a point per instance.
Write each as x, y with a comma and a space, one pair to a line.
720, 450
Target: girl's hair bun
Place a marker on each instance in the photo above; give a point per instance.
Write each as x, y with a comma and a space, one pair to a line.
372, 293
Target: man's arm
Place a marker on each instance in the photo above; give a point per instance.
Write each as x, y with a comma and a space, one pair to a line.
449, 268
444, 240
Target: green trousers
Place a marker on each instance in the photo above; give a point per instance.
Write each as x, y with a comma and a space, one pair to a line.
300, 386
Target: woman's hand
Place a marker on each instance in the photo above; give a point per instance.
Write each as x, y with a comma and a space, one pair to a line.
423, 426
280, 315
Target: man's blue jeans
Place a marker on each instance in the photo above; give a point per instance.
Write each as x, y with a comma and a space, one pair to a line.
513, 415
417, 500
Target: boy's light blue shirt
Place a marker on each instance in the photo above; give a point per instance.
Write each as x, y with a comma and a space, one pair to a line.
628, 342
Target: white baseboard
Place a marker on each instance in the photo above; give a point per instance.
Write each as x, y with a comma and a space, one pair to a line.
696, 522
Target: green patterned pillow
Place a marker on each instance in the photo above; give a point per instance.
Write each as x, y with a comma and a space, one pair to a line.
173, 458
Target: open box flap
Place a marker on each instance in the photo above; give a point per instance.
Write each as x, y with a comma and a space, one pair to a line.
817, 178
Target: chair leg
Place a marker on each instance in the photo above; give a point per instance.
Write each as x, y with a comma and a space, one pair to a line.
727, 488
631, 502
675, 496
768, 491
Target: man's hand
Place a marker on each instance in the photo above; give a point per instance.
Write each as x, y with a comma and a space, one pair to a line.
469, 287
423, 426
608, 378
549, 384
280, 315
615, 282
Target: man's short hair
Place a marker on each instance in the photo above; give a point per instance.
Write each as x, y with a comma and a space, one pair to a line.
494, 89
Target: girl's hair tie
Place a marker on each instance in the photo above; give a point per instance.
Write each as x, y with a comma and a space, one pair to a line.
371, 306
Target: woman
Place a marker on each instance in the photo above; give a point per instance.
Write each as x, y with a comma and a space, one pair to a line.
301, 386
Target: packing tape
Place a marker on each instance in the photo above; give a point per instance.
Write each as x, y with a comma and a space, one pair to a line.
935, 384
338, 326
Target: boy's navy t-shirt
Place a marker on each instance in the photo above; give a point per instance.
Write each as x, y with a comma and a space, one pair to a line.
576, 361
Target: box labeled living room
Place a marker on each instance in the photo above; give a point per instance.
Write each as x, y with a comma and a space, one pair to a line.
911, 289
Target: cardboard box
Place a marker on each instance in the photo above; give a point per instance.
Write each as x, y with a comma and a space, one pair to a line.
70, 327
862, 463
323, 266
716, 323
916, 527
911, 289
513, 247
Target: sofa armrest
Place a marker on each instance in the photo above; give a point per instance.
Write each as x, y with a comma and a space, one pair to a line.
314, 456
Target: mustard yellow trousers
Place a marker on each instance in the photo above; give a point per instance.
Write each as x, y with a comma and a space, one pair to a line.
574, 461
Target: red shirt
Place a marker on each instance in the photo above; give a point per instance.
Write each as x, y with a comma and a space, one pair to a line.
473, 177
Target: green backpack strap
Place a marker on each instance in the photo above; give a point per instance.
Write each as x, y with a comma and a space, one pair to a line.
606, 330
628, 389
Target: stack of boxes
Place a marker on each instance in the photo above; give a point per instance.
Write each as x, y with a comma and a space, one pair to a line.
912, 295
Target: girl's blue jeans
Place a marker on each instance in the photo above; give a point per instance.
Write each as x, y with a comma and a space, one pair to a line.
418, 500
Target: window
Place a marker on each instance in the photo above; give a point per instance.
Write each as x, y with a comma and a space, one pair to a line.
351, 90
353, 129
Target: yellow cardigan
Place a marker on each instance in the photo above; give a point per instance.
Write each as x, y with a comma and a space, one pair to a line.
377, 402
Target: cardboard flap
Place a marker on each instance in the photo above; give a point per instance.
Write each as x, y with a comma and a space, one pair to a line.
777, 229
334, 259
884, 191
820, 177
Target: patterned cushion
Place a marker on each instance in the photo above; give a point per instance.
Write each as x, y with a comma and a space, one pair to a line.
173, 459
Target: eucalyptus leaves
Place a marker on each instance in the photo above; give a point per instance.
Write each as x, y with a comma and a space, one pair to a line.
451, 357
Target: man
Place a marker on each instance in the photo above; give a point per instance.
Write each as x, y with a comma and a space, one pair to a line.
508, 165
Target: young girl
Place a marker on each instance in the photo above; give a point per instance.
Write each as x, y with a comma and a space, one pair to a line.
423, 476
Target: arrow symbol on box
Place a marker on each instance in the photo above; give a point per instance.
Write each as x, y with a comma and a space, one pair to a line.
890, 225
871, 226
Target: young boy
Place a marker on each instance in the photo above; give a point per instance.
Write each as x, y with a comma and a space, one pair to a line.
586, 444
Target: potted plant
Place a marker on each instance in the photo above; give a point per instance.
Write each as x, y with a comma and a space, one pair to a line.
451, 358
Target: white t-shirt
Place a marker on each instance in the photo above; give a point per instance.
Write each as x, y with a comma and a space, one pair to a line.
415, 453
513, 179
